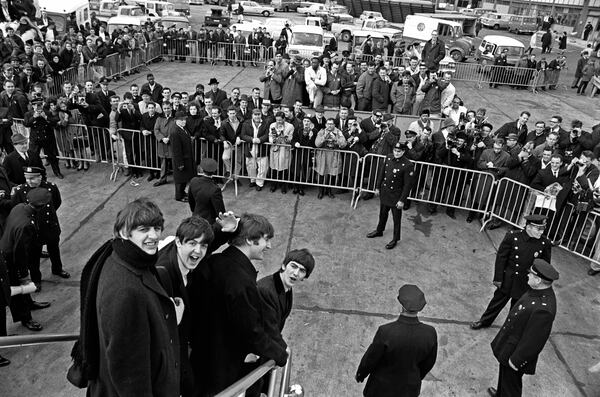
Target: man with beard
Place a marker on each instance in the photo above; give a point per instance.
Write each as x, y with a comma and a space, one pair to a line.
195, 239
231, 335
516, 254
394, 183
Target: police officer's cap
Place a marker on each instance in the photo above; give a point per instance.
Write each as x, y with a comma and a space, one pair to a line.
37, 101
401, 145
536, 220
32, 171
411, 297
208, 165
39, 197
104, 80
387, 117
544, 270
410, 133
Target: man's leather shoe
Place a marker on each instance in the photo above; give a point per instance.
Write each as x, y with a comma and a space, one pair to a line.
451, 214
432, 209
62, 274
375, 233
160, 182
478, 325
151, 177
59, 175
32, 325
469, 218
367, 196
38, 287
301, 192
391, 244
406, 206
494, 224
491, 391
252, 184
320, 195
4, 361
593, 272
35, 305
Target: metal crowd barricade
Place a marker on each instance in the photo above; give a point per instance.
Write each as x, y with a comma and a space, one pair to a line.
204, 51
508, 75
225, 158
134, 149
80, 143
468, 72
435, 184
575, 231
307, 166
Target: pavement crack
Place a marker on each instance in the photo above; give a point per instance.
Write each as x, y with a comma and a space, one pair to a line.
562, 359
291, 236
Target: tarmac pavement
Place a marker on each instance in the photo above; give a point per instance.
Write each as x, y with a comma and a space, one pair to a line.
352, 290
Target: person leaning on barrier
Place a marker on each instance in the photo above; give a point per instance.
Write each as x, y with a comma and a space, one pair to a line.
500, 73
195, 239
304, 136
525, 332
280, 136
393, 185
163, 128
233, 336
147, 124
402, 352
129, 119
255, 133
229, 133
328, 163
95, 118
153, 88
516, 254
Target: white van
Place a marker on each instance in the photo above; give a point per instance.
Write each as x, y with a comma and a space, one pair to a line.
63, 12
418, 28
307, 41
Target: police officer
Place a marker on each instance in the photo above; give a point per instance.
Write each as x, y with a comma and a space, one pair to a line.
525, 331
393, 185
402, 352
204, 195
515, 255
47, 223
18, 246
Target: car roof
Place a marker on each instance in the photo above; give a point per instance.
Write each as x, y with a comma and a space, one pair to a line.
307, 29
503, 41
60, 7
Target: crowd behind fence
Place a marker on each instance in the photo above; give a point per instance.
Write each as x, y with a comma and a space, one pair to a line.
344, 170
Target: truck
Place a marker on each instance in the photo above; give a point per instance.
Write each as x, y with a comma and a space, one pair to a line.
63, 14
346, 31
307, 41
142, 8
418, 28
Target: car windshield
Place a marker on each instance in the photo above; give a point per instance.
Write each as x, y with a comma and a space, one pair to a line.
308, 39
59, 22
512, 51
382, 24
458, 32
529, 20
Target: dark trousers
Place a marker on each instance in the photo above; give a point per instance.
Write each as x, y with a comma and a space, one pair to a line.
383, 217
51, 152
100, 142
364, 104
132, 151
6, 143
165, 165
19, 304
180, 190
2, 320
510, 382
54, 252
499, 300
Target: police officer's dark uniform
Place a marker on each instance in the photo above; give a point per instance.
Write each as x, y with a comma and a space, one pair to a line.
42, 136
18, 246
394, 185
204, 195
402, 352
48, 227
525, 332
515, 256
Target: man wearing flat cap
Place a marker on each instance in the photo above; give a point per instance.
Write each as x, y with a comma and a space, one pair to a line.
204, 195
18, 246
393, 185
525, 331
402, 352
515, 256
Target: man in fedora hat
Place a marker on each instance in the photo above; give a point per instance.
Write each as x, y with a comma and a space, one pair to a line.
402, 352
526, 330
21, 157
393, 185
516, 253
182, 153
216, 94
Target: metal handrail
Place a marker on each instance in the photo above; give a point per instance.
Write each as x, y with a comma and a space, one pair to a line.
285, 377
243, 384
30, 340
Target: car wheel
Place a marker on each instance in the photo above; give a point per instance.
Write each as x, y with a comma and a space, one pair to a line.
346, 36
266, 13
496, 27
456, 56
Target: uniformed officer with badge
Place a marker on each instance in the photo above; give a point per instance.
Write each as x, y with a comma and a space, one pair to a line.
525, 331
393, 186
515, 256
47, 223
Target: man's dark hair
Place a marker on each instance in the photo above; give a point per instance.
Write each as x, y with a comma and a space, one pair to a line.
301, 256
576, 124
589, 154
559, 118
128, 95
193, 227
526, 112
140, 212
252, 227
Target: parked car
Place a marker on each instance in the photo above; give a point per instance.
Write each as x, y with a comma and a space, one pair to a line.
216, 17
522, 24
370, 14
495, 21
492, 46
253, 8
477, 12
336, 14
182, 6
180, 21
312, 9
286, 5
306, 41
247, 28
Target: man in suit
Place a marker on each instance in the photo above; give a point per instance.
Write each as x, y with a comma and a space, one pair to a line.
433, 52
12, 99
217, 94
130, 118
195, 239
518, 127
18, 245
255, 133
21, 157
255, 101
163, 128
525, 331
555, 125
48, 227
182, 157
204, 195
104, 94
402, 352
393, 185
233, 323
244, 112
515, 256
153, 88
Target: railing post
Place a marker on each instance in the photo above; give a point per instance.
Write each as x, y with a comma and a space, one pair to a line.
285, 377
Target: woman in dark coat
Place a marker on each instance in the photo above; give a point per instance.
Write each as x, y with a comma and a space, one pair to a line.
137, 340
183, 158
